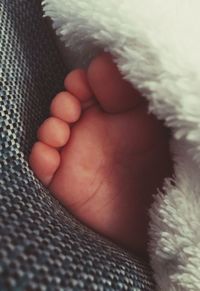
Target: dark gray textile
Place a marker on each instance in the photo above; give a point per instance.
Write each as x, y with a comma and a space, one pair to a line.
41, 246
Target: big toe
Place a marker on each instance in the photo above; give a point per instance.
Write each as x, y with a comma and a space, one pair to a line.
114, 94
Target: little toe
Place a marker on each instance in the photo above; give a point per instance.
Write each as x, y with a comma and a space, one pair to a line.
76, 83
66, 107
114, 94
44, 161
54, 132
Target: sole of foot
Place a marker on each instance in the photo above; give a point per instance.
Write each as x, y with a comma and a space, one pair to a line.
102, 154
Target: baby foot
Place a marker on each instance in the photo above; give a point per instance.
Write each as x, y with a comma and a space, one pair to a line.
101, 153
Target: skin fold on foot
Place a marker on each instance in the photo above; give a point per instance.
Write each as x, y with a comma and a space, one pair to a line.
102, 154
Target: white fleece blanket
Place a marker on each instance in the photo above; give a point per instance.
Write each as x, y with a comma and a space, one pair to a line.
156, 45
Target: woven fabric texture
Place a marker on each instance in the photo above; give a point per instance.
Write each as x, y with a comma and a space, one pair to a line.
42, 247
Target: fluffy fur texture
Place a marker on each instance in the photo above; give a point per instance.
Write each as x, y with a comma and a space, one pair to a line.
156, 45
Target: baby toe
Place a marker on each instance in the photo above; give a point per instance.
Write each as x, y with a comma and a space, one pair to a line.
54, 132
76, 83
66, 107
44, 161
